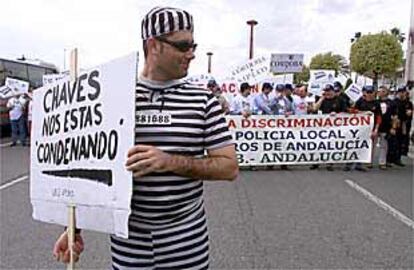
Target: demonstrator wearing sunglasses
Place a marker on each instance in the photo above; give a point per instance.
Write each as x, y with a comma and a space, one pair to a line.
168, 226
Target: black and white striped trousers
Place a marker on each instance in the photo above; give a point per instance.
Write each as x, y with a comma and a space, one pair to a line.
182, 246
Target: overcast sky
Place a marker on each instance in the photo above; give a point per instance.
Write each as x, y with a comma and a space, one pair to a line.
106, 29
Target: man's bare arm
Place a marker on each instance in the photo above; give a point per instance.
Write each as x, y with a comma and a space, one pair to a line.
220, 164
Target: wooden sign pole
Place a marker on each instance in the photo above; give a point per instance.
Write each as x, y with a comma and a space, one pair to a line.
71, 208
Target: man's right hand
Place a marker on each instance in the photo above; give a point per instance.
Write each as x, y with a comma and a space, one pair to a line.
246, 114
61, 249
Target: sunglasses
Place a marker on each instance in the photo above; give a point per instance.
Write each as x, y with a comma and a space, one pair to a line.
182, 46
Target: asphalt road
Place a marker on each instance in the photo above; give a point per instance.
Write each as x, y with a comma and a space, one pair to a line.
297, 219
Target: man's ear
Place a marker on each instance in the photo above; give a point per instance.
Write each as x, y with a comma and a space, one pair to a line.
153, 46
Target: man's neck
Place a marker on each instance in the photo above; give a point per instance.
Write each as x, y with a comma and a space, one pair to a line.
151, 73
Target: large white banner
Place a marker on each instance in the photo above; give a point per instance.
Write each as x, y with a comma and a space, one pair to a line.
318, 79
81, 134
253, 71
286, 63
13, 87
308, 139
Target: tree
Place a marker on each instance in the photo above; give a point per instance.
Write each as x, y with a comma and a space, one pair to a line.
302, 76
330, 61
376, 54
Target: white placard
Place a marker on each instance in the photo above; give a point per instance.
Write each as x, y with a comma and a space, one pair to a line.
286, 63
279, 79
354, 92
52, 78
306, 139
318, 79
13, 87
252, 71
81, 134
200, 79
362, 80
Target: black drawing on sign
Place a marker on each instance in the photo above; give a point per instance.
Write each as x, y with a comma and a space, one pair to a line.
100, 176
319, 75
5, 91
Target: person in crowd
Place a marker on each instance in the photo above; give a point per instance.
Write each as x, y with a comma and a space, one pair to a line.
242, 103
404, 112
29, 112
283, 106
343, 98
387, 127
408, 109
16, 106
168, 223
263, 102
264, 105
213, 86
301, 102
289, 92
367, 103
328, 103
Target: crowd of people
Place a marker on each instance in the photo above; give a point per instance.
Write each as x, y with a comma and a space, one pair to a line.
393, 112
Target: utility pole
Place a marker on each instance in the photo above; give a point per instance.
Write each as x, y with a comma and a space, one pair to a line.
252, 23
409, 63
209, 54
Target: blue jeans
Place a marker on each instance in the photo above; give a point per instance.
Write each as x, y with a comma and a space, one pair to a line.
18, 128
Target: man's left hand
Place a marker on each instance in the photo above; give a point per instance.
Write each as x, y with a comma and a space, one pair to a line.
145, 159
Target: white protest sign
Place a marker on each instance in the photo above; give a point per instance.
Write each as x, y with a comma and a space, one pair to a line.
354, 92
199, 79
52, 78
286, 63
13, 87
318, 79
306, 139
363, 80
81, 134
252, 71
5, 91
279, 79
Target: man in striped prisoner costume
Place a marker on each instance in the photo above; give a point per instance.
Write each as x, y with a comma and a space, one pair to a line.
175, 124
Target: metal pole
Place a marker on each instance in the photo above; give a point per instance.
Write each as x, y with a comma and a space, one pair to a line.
209, 54
64, 59
409, 64
252, 23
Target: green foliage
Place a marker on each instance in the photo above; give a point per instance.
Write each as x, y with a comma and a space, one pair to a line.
330, 61
302, 76
376, 54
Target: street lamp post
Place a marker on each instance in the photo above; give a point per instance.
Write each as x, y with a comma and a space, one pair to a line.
252, 23
409, 63
209, 54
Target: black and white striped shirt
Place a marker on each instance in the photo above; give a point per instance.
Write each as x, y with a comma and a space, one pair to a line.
178, 118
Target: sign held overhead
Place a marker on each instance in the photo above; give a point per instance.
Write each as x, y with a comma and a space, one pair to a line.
286, 63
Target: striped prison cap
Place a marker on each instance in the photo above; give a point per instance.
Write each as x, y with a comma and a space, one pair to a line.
164, 20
